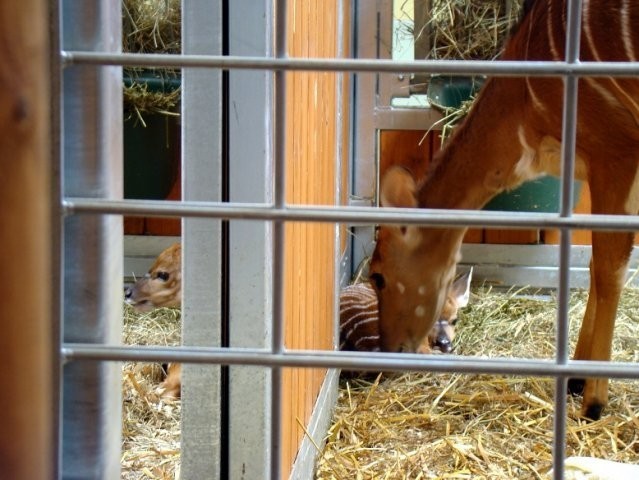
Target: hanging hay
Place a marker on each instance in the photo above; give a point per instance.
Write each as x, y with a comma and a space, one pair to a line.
151, 26
465, 30
451, 118
139, 100
468, 29
420, 425
150, 425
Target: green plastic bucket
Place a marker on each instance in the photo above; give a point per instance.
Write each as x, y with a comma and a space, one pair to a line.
151, 156
540, 195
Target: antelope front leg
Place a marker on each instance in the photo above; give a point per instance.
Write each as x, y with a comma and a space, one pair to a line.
582, 351
610, 254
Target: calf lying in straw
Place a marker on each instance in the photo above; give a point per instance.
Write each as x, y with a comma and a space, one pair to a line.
162, 287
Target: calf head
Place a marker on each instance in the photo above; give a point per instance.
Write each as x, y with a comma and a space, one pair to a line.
441, 335
162, 286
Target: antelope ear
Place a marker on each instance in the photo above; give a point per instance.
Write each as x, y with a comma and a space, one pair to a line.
398, 189
461, 288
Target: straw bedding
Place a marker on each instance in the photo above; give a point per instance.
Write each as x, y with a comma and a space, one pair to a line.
150, 425
420, 425
435, 426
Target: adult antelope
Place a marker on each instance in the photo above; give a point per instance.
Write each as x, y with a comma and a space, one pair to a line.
513, 134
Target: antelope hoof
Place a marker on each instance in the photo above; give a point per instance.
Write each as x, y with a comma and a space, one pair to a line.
576, 386
592, 412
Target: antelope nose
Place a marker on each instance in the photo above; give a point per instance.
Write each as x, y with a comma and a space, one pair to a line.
444, 344
128, 291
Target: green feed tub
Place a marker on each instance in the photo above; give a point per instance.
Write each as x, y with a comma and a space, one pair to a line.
151, 156
541, 195
449, 92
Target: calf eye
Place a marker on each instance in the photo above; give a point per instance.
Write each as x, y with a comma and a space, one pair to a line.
164, 276
378, 280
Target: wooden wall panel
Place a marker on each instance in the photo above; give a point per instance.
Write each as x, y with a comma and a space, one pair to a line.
311, 107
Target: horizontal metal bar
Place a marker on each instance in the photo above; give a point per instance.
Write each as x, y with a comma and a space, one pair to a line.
349, 360
453, 67
350, 215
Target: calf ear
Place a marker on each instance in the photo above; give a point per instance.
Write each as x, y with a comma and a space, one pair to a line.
398, 189
461, 288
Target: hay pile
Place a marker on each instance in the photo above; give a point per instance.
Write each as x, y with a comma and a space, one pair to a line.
478, 426
150, 425
151, 26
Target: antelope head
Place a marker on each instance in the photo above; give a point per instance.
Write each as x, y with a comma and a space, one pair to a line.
412, 269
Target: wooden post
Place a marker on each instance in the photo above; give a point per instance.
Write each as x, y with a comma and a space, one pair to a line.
26, 444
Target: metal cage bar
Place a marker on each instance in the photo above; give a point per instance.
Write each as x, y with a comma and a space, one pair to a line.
349, 360
511, 68
351, 215
569, 143
279, 195
202, 314
92, 245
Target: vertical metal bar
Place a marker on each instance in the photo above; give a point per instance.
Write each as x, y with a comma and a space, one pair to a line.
202, 33
92, 167
363, 169
279, 194
55, 82
250, 286
569, 133
341, 143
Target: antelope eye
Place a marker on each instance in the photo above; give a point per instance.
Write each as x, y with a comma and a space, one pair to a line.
378, 280
164, 276
453, 322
